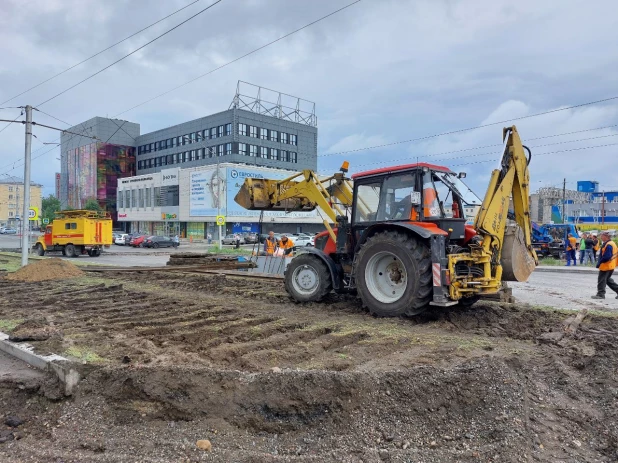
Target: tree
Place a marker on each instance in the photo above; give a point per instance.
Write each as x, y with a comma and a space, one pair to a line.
93, 205
50, 206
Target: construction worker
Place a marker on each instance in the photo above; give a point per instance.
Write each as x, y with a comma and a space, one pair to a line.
589, 258
582, 249
570, 246
606, 265
270, 244
286, 244
595, 246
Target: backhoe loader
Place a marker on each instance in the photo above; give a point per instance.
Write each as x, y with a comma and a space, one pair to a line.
396, 236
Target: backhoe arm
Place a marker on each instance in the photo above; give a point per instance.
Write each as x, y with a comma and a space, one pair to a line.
511, 181
301, 192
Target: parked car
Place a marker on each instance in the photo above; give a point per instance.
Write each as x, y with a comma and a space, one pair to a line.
159, 242
250, 237
137, 240
10, 231
231, 239
303, 240
121, 240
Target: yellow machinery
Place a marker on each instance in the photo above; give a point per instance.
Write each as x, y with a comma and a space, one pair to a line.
76, 232
400, 240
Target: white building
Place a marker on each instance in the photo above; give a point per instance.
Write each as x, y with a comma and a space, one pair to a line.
188, 201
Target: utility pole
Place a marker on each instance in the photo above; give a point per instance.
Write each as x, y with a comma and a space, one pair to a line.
603, 208
563, 200
25, 216
219, 202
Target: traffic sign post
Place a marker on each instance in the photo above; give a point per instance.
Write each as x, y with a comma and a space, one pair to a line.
45, 221
33, 213
220, 220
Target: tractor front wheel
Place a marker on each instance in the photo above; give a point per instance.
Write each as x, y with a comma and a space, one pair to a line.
307, 278
393, 275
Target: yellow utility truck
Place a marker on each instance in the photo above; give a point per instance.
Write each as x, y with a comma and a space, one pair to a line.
75, 233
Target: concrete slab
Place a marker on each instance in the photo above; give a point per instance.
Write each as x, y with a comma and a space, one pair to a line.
56, 364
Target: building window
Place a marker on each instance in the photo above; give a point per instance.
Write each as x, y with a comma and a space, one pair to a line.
253, 150
213, 133
139, 150
133, 198
146, 197
274, 154
293, 157
242, 149
284, 155
120, 199
186, 139
140, 193
220, 149
205, 134
264, 134
193, 137
293, 140
228, 148
199, 135
284, 137
274, 135
220, 131
10, 188
139, 164
171, 143
242, 129
263, 152
10, 196
152, 147
228, 129
10, 214
192, 158
253, 131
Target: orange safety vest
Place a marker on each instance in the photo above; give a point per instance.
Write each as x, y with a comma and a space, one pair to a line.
611, 265
287, 245
269, 246
572, 243
596, 246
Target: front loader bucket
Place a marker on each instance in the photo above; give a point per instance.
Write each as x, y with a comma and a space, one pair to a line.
254, 194
518, 262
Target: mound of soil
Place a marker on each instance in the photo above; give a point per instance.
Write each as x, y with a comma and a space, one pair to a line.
47, 269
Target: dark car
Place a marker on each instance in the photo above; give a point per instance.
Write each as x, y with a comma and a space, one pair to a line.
159, 242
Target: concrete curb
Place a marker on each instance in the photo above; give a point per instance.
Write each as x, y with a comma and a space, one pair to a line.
564, 269
55, 364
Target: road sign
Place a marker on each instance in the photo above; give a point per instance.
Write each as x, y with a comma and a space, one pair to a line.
33, 213
220, 220
45, 221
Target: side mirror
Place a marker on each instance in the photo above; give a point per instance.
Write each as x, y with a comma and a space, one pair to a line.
461, 175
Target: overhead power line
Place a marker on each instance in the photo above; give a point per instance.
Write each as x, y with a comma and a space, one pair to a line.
490, 124
431, 155
241, 57
131, 53
102, 51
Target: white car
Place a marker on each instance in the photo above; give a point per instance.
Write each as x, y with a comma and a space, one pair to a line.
121, 240
303, 240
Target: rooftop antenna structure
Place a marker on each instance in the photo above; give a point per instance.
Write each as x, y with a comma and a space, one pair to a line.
268, 102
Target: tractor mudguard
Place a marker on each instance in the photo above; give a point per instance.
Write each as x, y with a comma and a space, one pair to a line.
418, 231
335, 272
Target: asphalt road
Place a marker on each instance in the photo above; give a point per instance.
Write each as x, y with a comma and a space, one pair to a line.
563, 290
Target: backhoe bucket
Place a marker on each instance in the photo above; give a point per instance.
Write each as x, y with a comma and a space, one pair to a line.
518, 262
254, 195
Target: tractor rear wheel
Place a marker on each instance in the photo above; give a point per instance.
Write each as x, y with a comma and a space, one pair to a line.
393, 275
307, 278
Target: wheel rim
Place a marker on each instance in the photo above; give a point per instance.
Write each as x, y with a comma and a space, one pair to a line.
386, 277
305, 279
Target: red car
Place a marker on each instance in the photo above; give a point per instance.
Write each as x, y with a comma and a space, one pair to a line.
138, 241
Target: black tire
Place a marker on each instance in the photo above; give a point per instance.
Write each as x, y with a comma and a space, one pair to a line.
97, 252
91, 253
69, 250
155, 245
312, 267
39, 250
411, 265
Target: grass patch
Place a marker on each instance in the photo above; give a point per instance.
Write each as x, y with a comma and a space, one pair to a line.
229, 250
9, 325
84, 355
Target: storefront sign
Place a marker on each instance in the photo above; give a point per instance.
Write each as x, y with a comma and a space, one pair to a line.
169, 177
165, 216
122, 216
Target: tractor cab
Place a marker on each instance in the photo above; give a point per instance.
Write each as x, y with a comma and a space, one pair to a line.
419, 194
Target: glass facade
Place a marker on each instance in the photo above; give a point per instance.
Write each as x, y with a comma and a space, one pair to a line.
93, 173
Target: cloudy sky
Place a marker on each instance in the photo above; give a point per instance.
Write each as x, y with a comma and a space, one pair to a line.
380, 72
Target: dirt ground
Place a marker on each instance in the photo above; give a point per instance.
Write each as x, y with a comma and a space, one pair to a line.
172, 358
